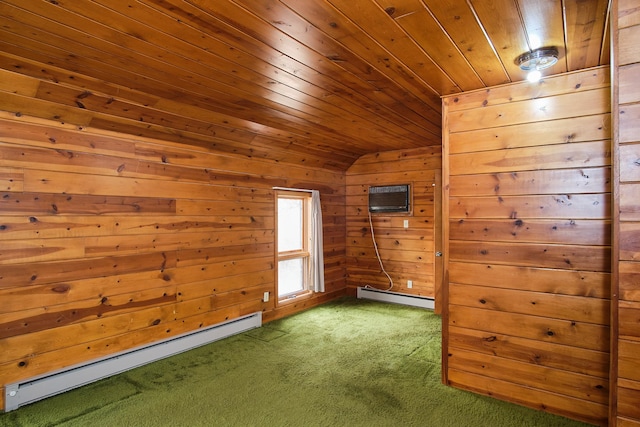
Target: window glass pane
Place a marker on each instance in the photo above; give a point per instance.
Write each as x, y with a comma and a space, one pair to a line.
290, 276
289, 225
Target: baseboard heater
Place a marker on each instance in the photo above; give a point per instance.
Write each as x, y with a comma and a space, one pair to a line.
395, 297
37, 388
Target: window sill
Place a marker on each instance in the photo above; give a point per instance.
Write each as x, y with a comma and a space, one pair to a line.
291, 299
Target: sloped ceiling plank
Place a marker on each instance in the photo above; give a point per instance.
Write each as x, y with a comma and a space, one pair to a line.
336, 25
400, 83
461, 25
298, 103
341, 156
100, 66
294, 26
273, 38
503, 24
121, 61
420, 25
544, 28
263, 37
585, 25
380, 26
220, 124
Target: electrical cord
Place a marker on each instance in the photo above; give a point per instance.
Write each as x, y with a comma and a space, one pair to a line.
375, 246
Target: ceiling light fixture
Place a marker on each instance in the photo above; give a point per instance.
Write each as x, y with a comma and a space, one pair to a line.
536, 61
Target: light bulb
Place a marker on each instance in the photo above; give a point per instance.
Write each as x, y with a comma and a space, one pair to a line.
534, 76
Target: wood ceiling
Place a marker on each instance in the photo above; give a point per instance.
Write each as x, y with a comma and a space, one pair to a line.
312, 82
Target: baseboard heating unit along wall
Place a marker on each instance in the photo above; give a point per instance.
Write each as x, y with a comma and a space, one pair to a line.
395, 297
33, 389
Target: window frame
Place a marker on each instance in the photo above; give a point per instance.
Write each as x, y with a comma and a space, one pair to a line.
303, 253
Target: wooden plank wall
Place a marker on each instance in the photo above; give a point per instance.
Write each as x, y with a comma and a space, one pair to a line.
626, 107
110, 241
407, 254
528, 224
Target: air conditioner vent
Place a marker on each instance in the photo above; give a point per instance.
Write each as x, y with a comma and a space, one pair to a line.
389, 198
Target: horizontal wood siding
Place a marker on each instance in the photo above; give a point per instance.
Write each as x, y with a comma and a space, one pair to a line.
527, 222
110, 241
626, 373
406, 253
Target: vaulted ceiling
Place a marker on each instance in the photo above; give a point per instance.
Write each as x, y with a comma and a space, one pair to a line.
313, 82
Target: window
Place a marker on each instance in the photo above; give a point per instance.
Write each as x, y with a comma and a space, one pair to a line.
293, 214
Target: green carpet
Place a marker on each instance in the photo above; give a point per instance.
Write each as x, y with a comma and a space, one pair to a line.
347, 363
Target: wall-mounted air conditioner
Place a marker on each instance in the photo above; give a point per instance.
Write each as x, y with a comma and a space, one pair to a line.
389, 198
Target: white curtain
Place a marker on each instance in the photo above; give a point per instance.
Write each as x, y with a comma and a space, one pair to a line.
317, 254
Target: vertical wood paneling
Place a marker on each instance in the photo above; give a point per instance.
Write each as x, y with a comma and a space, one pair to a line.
625, 381
110, 241
406, 253
528, 228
